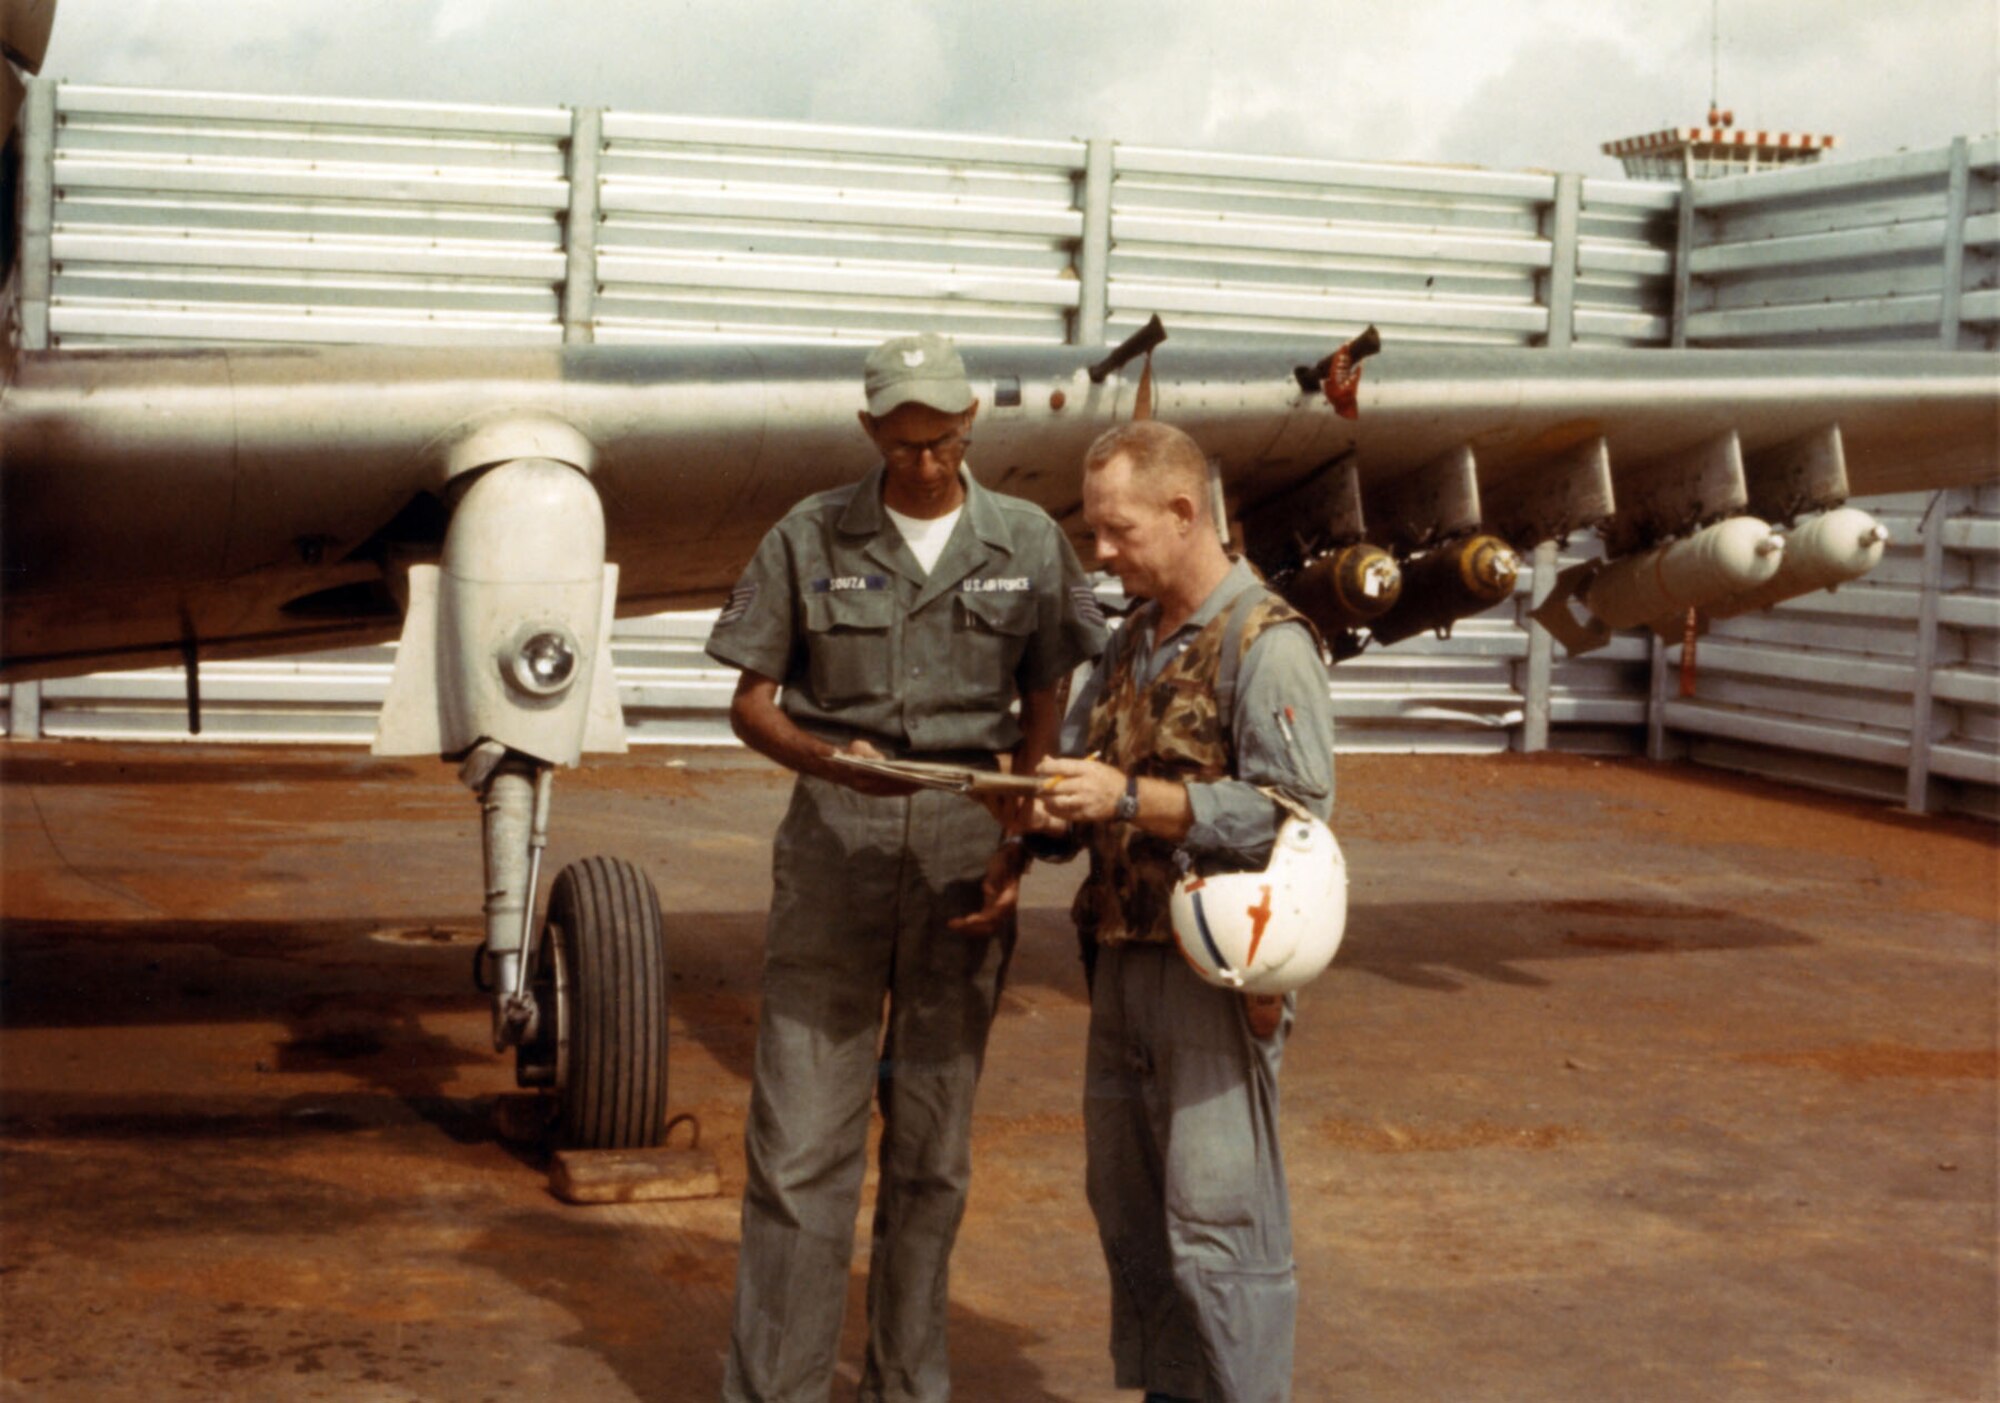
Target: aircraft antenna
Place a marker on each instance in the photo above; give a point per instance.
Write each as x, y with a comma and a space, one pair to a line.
1714, 56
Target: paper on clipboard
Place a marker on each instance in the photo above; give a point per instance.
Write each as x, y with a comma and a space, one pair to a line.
958, 779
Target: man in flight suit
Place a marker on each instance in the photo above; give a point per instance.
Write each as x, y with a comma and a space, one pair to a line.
1212, 693
913, 615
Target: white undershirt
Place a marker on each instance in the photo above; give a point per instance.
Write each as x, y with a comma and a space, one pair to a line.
925, 536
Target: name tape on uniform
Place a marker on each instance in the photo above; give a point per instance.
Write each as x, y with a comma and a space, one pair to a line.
841, 584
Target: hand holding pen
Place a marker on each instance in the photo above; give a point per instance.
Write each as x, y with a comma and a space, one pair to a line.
1081, 791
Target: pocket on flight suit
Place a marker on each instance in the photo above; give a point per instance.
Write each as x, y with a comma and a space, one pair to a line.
847, 639
1248, 1318
989, 635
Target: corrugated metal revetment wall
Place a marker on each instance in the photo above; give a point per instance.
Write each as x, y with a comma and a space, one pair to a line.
1897, 250
1228, 246
747, 231
182, 218
1890, 686
185, 218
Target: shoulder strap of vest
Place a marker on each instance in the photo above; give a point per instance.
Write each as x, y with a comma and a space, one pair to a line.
1236, 621
1231, 661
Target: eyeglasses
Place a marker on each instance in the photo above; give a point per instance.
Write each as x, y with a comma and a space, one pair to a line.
948, 448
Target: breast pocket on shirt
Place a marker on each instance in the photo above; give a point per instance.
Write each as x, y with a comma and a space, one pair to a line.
848, 641
989, 634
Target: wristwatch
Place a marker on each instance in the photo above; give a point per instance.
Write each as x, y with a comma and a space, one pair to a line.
1128, 802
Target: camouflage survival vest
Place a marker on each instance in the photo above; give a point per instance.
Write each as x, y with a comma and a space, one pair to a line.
1173, 729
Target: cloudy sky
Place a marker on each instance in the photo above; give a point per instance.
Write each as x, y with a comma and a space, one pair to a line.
1502, 83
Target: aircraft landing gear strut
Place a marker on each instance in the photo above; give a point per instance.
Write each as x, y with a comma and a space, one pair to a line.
583, 999
506, 661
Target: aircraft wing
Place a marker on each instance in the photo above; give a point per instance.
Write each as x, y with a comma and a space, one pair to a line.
250, 502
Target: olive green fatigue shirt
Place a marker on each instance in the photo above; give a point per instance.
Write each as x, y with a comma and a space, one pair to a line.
865, 988
836, 609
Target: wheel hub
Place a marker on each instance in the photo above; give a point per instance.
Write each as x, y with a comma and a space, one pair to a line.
543, 1060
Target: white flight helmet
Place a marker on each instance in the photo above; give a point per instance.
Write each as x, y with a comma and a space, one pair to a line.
1267, 932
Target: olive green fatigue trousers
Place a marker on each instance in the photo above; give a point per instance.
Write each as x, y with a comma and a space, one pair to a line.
863, 888
1184, 1176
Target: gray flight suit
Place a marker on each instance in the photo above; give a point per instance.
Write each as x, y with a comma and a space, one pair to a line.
1184, 1176
1183, 1168
835, 608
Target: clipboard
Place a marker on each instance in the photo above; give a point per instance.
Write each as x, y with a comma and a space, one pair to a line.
957, 779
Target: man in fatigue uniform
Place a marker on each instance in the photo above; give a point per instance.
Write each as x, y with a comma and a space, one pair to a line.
1181, 1078
904, 616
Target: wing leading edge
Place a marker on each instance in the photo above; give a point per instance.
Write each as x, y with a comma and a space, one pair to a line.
258, 502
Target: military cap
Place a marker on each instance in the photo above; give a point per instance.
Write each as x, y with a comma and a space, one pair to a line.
922, 369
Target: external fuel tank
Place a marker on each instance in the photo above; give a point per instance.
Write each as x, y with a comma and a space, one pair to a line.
1715, 563
1831, 549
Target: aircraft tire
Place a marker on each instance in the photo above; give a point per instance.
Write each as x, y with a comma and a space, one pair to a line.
605, 928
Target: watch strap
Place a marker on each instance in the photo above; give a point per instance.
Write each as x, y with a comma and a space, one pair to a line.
1128, 804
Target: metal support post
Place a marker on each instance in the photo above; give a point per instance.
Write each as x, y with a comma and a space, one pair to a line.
1564, 215
1683, 266
37, 274
1917, 789
1958, 192
1917, 783
579, 302
24, 711
1656, 701
38, 179
1093, 255
1537, 673
1656, 689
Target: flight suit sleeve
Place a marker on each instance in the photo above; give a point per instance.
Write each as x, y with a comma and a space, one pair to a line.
756, 630
1069, 626
1075, 738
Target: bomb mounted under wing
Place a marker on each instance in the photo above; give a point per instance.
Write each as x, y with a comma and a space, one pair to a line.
493, 508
